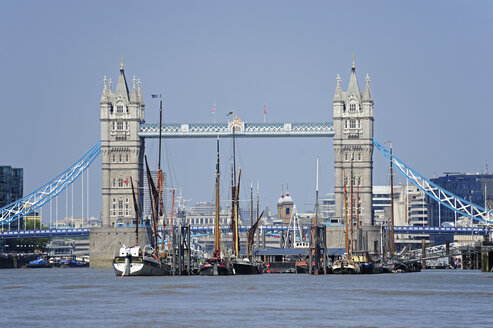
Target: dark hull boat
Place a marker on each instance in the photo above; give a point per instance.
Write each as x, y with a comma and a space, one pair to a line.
215, 268
301, 267
132, 262
245, 267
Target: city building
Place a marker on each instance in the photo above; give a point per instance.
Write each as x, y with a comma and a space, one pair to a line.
285, 206
328, 209
11, 184
410, 207
11, 188
476, 188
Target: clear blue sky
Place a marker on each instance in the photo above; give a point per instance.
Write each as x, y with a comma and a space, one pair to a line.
429, 63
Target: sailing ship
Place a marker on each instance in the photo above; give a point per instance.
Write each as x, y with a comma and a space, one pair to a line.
345, 264
248, 265
133, 261
216, 266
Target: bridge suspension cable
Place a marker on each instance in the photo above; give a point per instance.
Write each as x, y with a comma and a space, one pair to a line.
444, 197
45, 193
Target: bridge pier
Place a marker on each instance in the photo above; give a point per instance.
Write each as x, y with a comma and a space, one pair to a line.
105, 243
366, 238
487, 261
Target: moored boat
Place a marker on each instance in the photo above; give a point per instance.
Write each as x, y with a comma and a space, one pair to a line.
216, 265
344, 266
244, 266
38, 263
131, 261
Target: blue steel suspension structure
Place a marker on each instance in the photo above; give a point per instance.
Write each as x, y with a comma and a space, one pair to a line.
444, 197
50, 190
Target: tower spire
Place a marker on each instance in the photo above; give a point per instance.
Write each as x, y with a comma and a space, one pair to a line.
354, 67
121, 65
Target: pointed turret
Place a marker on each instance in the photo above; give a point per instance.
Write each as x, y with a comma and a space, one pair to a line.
367, 93
134, 97
338, 93
353, 88
105, 94
121, 86
139, 93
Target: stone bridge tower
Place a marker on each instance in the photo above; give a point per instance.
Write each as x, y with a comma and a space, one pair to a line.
353, 148
122, 149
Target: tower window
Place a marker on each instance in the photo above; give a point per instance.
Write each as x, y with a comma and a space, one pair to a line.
119, 109
352, 107
126, 158
119, 125
345, 124
287, 211
352, 124
120, 158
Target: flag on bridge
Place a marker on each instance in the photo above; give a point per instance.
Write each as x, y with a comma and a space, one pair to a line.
155, 96
214, 109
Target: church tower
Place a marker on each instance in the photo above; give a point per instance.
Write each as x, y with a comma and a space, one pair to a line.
353, 149
122, 149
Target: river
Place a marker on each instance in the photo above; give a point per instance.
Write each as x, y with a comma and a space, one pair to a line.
83, 297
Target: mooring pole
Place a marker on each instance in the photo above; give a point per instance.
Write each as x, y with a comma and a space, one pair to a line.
423, 252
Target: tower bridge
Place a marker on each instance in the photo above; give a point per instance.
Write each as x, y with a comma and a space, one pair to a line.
124, 130
122, 147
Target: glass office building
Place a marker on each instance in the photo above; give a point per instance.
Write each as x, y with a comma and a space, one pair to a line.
11, 184
472, 187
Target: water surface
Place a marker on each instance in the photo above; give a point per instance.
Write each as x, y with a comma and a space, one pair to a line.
82, 297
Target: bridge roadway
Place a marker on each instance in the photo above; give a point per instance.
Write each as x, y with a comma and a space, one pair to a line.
269, 229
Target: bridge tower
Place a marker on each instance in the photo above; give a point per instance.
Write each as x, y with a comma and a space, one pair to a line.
353, 148
122, 149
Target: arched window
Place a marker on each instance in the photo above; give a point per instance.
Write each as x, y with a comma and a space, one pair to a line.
352, 124
119, 125
119, 108
352, 107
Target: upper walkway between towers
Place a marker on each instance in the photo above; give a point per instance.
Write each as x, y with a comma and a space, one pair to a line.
240, 129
